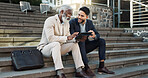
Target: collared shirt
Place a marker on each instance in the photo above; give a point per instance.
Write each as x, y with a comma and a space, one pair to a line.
82, 27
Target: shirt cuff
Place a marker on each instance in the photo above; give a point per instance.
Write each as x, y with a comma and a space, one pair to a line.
95, 37
71, 41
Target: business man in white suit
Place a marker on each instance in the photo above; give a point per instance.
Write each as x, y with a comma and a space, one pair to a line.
56, 41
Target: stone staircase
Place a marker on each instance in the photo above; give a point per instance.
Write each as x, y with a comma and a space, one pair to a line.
126, 55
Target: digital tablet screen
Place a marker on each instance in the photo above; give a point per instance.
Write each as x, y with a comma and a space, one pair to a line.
80, 35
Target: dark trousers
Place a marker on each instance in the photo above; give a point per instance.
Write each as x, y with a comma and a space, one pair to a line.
88, 46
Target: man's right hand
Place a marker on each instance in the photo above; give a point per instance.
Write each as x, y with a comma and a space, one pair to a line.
72, 36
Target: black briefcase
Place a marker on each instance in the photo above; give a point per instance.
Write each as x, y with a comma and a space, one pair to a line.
27, 59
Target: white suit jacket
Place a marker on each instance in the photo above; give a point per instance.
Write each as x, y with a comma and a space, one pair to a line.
53, 31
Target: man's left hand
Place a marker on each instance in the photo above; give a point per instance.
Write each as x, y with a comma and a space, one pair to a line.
93, 34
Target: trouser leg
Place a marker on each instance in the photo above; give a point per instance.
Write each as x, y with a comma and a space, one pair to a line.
83, 52
75, 53
54, 49
100, 44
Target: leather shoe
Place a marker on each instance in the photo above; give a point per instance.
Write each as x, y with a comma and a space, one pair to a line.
105, 70
82, 74
89, 72
62, 75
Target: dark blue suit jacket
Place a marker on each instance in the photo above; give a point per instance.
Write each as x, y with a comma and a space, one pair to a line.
75, 27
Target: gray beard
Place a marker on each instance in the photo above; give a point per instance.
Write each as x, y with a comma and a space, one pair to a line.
64, 19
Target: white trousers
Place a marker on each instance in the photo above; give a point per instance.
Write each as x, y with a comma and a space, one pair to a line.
56, 50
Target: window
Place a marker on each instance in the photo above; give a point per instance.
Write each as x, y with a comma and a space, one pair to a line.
61, 1
50, 1
54, 2
94, 16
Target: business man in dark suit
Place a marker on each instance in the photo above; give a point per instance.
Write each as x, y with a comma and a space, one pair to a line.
83, 24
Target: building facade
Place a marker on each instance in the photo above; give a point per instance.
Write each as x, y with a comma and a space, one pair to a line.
100, 15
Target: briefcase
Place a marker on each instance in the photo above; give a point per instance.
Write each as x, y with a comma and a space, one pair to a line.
27, 59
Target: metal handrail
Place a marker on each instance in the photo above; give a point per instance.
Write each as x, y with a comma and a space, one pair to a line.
131, 13
44, 8
99, 4
25, 6
140, 3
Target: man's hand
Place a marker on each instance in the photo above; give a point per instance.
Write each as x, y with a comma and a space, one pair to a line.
72, 36
82, 39
93, 34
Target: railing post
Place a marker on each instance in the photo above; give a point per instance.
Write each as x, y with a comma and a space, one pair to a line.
10, 1
46, 13
113, 13
131, 13
26, 11
119, 13
140, 10
108, 3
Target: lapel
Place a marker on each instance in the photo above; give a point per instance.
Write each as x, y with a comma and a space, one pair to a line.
66, 27
59, 25
86, 26
77, 25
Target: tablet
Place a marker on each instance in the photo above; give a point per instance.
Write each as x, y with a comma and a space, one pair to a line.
80, 35
85, 33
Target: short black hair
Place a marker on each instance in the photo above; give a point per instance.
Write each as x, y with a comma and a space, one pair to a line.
85, 9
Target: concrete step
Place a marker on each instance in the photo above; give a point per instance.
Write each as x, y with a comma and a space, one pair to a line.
19, 44
15, 6
115, 54
33, 41
112, 64
37, 33
128, 72
109, 46
20, 28
27, 33
119, 46
22, 21
5, 51
25, 17
19, 41
20, 33
20, 24
8, 4
8, 26
115, 34
10, 8
144, 76
23, 14
7, 7
18, 10
37, 39
134, 30
102, 29
122, 39
110, 54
